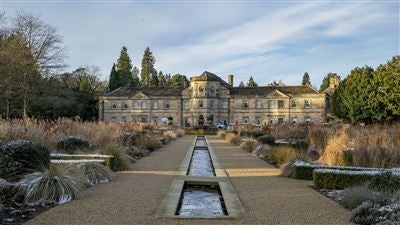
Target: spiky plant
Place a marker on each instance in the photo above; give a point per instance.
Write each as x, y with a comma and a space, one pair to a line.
52, 184
90, 173
120, 160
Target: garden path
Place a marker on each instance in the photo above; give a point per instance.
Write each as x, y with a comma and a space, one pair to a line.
134, 196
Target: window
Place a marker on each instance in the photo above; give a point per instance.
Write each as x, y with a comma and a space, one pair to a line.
166, 105
245, 105
123, 119
113, 118
225, 104
307, 119
114, 105
258, 104
200, 104
280, 104
294, 120
211, 104
258, 120
143, 105
307, 104
294, 104
271, 104
281, 120
186, 105
154, 105
124, 105
135, 105
143, 119
246, 120
271, 121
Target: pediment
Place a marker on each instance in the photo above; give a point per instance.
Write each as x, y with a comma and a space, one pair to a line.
140, 95
276, 94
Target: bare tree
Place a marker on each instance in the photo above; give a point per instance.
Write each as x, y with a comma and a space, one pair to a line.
43, 40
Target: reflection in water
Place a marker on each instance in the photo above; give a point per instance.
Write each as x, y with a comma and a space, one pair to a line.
201, 164
201, 201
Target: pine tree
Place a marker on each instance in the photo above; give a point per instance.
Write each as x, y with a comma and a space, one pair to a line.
162, 81
306, 80
124, 68
179, 81
241, 84
148, 72
251, 82
135, 77
113, 80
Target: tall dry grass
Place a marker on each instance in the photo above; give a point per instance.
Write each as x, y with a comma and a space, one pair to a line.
366, 146
50, 132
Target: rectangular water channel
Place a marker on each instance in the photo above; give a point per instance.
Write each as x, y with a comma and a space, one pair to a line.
201, 163
201, 200
201, 192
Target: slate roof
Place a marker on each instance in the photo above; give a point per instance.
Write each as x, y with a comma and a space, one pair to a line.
131, 91
207, 76
263, 90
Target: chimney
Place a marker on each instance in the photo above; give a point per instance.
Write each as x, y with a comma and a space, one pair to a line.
334, 81
230, 80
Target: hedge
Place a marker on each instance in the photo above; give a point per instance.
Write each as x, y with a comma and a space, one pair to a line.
304, 171
341, 179
201, 132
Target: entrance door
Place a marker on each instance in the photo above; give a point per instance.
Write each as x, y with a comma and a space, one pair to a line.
201, 120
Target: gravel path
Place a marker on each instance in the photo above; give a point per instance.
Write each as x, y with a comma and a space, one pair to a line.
134, 196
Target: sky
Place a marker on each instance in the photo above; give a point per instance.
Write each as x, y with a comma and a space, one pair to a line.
269, 40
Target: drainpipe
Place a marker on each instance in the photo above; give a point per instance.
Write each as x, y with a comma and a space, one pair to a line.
290, 104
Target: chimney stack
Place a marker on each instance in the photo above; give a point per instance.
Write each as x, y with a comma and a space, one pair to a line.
230, 80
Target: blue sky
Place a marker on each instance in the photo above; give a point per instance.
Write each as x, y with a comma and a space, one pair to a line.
270, 40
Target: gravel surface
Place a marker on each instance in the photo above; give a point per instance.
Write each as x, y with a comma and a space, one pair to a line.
134, 196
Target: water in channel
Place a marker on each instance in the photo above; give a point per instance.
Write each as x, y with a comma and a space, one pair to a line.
201, 200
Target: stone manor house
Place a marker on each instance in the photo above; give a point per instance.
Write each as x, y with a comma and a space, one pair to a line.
209, 100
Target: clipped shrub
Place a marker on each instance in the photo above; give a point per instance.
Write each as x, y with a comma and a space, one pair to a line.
180, 133
341, 179
18, 158
221, 134
253, 134
170, 134
281, 154
151, 143
249, 144
120, 160
52, 184
265, 139
71, 144
90, 173
385, 182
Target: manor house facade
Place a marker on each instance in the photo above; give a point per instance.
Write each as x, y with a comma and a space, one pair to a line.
209, 99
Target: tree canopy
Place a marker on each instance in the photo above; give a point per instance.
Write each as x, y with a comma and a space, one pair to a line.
251, 82
306, 80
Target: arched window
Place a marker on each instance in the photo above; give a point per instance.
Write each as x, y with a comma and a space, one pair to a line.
143, 105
